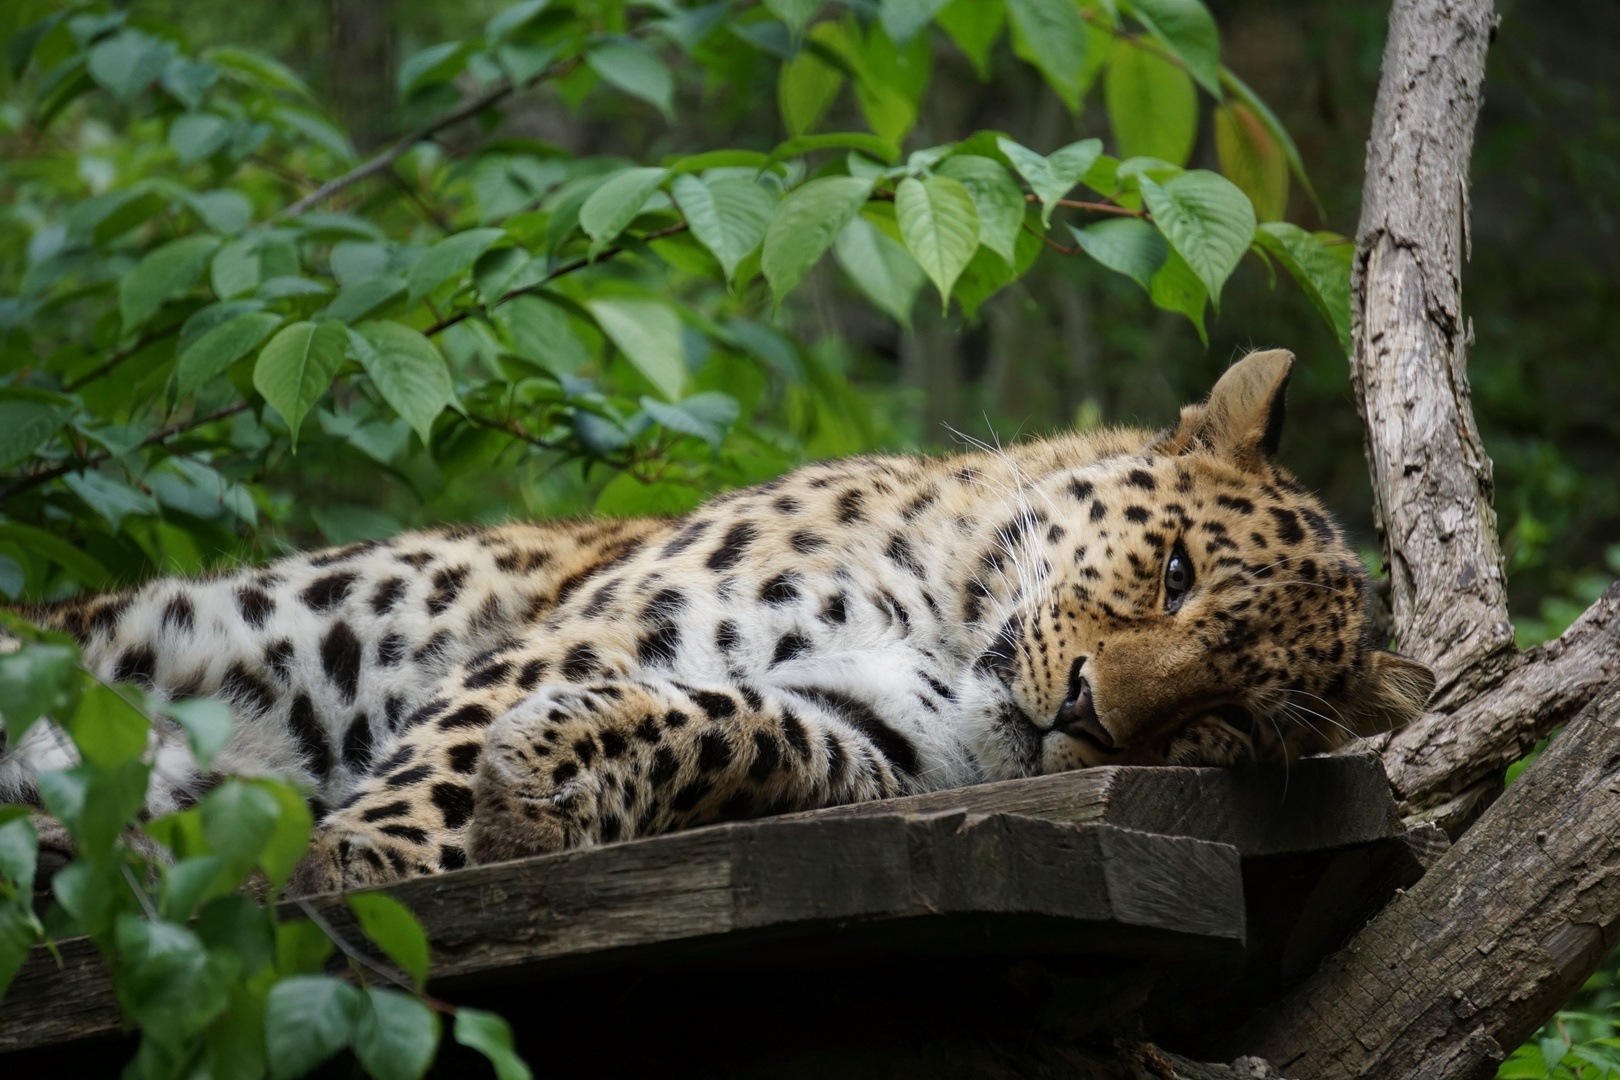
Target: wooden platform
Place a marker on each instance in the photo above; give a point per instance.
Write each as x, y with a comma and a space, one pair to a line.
1133, 880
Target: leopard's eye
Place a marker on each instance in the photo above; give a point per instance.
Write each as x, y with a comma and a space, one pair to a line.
1178, 578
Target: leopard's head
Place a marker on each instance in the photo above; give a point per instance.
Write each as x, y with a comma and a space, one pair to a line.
1190, 603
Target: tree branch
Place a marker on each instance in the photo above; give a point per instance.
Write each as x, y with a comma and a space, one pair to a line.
1431, 476
160, 435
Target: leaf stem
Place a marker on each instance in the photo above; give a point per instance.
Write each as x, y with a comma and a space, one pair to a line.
367, 962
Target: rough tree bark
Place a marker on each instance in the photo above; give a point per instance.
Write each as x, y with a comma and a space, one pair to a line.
1514, 917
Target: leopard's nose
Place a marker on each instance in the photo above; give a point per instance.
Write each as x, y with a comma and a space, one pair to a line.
1077, 716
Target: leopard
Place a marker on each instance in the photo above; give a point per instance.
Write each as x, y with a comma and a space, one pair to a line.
856, 629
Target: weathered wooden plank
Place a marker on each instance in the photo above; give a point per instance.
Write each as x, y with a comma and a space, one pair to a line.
1311, 805
903, 881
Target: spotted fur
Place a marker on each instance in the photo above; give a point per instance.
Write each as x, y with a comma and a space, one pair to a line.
855, 630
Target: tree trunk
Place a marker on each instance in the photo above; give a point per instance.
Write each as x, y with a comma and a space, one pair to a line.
360, 65
1509, 922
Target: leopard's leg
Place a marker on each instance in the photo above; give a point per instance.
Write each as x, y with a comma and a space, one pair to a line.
409, 816
577, 766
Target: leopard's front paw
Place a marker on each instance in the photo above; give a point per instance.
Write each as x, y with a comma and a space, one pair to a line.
537, 788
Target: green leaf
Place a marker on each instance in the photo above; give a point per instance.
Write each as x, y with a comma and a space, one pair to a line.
194, 136
974, 26
36, 679
1176, 288
435, 64
997, 197
297, 366
237, 821
409, 372
169, 271
167, 981
512, 18
221, 347
539, 332
1053, 177
95, 804
794, 12
301, 948
290, 838
307, 1019
393, 929
638, 71
805, 225
207, 724
107, 730
1152, 105
870, 145
904, 19
355, 262
259, 70
19, 929
616, 202
1275, 129
355, 302
1052, 35
707, 415
25, 426
1252, 160
1206, 219
19, 853
649, 335
729, 215
110, 497
449, 258
940, 227
396, 1036
1188, 30
881, 266
1323, 275
57, 550
807, 84
491, 1036
127, 63
186, 882
234, 270
225, 212
1128, 246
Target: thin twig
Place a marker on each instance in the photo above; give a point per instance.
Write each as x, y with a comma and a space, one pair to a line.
367, 962
566, 268
120, 356
161, 435
1095, 207
422, 204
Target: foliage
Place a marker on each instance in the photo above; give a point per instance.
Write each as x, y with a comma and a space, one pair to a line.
197, 333
1581, 1043
218, 985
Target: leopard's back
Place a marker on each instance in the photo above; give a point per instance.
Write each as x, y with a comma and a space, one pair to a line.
322, 654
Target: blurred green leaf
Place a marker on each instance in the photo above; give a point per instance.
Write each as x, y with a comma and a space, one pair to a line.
207, 723
36, 679
615, 204
1052, 178
1052, 35
127, 63
881, 266
1188, 31
95, 803
167, 272
1251, 159
539, 332
491, 1036
638, 71
974, 26
795, 13
308, 1019
1324, 277
221, 347
107, 730
19, 852
449, 258
396, 1036
194, 136
1152, 105
1175, 287
807, 84
393, 929
25, 426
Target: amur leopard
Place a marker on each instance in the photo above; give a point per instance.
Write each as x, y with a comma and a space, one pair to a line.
854, 630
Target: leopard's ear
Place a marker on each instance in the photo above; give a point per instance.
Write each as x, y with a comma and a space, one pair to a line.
1392, 694
1243, 416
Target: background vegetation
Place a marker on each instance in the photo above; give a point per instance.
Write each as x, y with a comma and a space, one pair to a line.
147, 160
